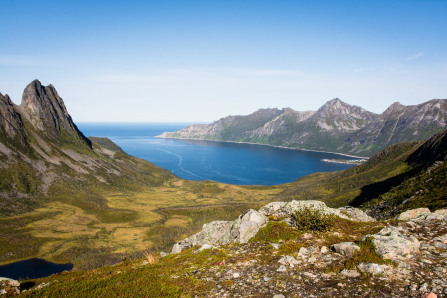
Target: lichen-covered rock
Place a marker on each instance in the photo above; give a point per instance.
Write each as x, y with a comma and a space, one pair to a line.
9, 282
275, 209
215, 232
246, 226
356, 214
371, 268
350, 273
440, 214
9, 286
223, 232
294, 206
346, 249
391, 244
413, 213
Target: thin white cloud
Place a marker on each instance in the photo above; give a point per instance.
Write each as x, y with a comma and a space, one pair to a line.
418, 55
19, 60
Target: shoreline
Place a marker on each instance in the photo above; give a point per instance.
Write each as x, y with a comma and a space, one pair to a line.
250, 143
344, 161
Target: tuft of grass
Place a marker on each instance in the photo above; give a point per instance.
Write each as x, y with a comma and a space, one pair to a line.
310, 219
290, 247
275, 232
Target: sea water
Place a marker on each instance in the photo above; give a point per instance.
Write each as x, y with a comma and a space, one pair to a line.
243, 164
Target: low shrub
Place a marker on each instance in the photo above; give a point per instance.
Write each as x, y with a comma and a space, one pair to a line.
310, 219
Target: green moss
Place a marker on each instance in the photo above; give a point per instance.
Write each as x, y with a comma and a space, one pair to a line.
275, 232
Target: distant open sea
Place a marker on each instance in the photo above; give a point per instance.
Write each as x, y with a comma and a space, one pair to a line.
204, 160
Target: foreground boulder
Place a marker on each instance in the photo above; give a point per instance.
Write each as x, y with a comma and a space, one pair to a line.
9, 286
283, 210
223, 232
413, 213
391, 244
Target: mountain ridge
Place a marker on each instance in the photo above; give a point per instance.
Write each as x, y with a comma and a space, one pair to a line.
335, 127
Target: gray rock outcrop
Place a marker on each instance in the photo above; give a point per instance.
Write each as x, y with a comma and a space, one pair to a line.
392, 244
248, 224
223, 232
356, 214
413, 213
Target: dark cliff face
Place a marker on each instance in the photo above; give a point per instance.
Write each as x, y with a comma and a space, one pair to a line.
47, 113
11, 123
435, 149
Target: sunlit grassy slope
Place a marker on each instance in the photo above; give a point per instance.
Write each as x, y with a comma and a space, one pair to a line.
97, 218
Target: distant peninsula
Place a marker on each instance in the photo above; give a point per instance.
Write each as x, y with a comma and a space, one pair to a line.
335, 127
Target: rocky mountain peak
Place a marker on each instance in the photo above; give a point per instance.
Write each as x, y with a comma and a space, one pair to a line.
10, 121
395, 107
47, 112
339, 107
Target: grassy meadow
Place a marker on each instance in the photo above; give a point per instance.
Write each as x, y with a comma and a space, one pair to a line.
126, 223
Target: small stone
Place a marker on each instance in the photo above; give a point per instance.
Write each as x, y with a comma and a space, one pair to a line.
288, 260
266, 278
324, 249
42, 285
413, 287
275, 245
350, 273
371, 268
346, 249
312, 259
236, 275
307, 236
278, 296
206, 246
282, 268
423, 287
310, 275
303, 251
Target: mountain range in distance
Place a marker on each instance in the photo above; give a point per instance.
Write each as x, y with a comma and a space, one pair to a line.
335, 127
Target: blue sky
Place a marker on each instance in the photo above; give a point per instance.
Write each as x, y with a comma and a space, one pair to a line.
198, 61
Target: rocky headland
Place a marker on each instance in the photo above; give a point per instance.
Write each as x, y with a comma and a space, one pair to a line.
335, 127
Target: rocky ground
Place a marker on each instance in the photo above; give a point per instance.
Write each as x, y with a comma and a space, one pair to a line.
271, 253
415, 247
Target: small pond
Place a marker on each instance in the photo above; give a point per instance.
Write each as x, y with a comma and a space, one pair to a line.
32, 268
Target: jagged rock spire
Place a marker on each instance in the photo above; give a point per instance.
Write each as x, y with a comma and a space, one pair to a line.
10, 121
47, 112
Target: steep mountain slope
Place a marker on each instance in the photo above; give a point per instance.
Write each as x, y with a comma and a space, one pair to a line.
335, 127
403, 176
400, 123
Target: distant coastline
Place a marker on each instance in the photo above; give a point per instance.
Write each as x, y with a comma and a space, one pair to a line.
346, 161
283, 147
